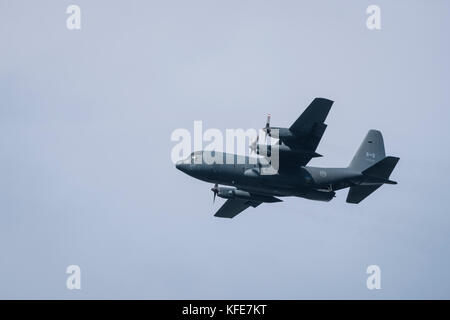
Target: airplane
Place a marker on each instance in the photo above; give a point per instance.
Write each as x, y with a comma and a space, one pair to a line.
245, 186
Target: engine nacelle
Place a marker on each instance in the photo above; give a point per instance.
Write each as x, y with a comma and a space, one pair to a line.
232, 193
318, 195
226, 192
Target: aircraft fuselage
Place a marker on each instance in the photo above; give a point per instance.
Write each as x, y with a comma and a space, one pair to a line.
243, 173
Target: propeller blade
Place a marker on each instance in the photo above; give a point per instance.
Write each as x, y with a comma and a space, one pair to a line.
215, 190
267, 127
254, 145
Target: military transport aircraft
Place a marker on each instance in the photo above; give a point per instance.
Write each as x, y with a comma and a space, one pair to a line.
247, 187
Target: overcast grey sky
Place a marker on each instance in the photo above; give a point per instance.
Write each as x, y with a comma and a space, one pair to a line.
85, 124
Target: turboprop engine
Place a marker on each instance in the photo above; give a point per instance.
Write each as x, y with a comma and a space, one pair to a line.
233, 193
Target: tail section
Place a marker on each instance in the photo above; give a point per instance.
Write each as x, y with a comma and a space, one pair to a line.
356, 194
374, 166
370, 152
380, 171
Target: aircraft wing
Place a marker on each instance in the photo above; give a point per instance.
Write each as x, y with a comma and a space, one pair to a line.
232, 207
308, 130
310, 126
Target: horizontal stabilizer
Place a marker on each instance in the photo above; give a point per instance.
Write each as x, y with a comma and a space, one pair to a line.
356, 194
377, 180
374, 177
382, 169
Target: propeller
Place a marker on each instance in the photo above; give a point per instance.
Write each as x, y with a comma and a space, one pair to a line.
254, 145
267, 129
215, 189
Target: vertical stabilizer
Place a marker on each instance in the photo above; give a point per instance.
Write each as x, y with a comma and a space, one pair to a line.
370, 152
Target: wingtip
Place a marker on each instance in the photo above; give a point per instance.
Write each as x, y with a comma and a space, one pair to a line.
325, 100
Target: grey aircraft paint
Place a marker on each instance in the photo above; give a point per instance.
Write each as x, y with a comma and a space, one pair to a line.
246, 185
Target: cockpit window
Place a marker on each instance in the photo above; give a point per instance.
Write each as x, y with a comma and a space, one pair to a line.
193, 158
188, 160
196, 157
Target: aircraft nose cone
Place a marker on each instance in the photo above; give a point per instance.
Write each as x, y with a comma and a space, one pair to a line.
180, 166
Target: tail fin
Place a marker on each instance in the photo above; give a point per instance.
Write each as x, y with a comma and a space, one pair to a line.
370, 152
